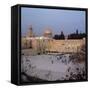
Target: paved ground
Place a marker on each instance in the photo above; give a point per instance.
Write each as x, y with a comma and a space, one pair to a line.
50, 67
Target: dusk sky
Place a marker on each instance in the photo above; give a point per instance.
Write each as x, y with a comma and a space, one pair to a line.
58, 20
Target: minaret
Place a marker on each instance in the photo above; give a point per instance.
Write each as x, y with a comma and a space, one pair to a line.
30, 32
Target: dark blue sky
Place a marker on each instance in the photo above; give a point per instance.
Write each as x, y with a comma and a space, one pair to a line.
58, 20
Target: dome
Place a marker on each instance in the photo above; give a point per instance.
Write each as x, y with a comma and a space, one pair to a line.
48, 32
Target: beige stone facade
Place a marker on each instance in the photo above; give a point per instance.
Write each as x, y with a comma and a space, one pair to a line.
43, 44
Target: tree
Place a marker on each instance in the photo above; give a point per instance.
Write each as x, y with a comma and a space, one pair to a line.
77, 32
76, 35
62, 35
58, 37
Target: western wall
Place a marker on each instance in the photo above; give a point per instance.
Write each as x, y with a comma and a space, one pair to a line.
52, 45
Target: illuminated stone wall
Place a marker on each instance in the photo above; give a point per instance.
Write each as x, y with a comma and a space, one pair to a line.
66, 46
52, 45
